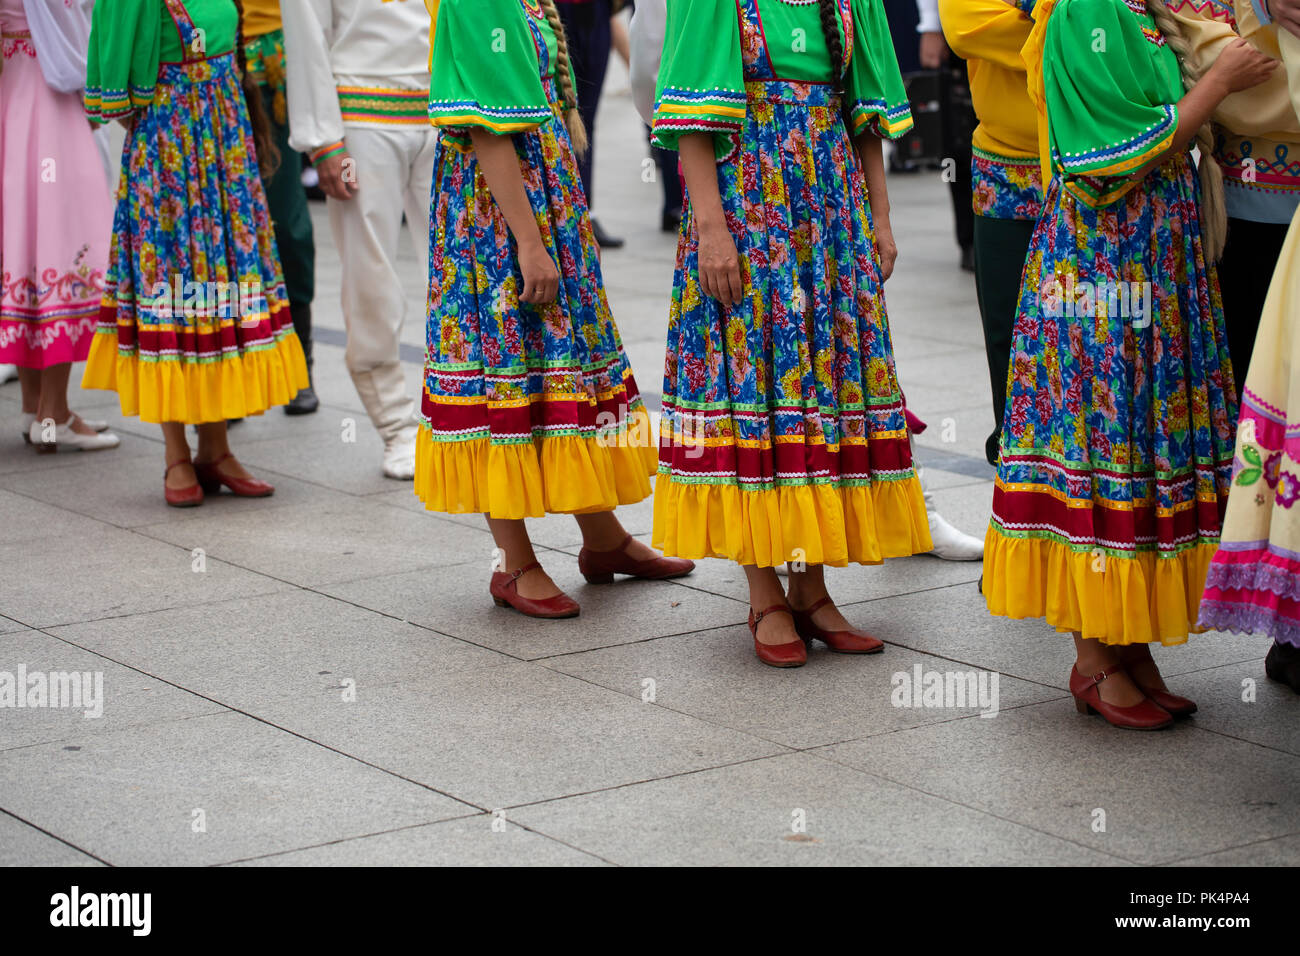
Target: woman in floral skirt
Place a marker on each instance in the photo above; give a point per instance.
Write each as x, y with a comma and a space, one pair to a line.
783, 436
1117, 441
195, 327
529, 405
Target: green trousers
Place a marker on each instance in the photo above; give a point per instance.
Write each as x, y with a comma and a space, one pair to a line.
1001, 247
287, 201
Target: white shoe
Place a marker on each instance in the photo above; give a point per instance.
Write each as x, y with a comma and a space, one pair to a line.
8, 373
399, 459
49, 437
951, 544
26, 418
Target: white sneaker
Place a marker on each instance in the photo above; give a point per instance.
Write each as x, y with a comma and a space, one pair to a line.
49, 437
399, 459
8, 373
951, 544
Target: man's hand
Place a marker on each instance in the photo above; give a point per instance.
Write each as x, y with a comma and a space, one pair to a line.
934, 50
338, 175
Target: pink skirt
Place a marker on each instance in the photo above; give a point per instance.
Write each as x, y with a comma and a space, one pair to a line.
56, 217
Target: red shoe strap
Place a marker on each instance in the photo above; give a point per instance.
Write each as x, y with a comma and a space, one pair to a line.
516, 575
176, 464
1102, 675
817, 606
770, 610
214, 462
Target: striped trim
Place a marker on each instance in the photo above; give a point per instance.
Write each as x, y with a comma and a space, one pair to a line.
326, 151
390, 107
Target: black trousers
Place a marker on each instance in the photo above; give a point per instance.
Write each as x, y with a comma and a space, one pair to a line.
1245, 271
1001, 247
586, 26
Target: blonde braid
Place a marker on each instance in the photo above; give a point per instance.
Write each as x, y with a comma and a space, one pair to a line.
1214, 211
572, 118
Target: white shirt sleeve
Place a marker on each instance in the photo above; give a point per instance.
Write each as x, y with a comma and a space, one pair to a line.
928, 11
61, 35
315, 120
649, 23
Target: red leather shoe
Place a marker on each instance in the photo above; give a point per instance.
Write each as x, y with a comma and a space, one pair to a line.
599, 567
789, 654
190, 497
212, 479
841, 642
1145, 715
505, 592
1177, 706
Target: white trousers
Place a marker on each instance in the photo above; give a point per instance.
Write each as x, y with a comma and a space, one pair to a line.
394, 174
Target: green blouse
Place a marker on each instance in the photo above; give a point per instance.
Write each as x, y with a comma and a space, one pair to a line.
1112, 85
485, 68
703, 74
131, 39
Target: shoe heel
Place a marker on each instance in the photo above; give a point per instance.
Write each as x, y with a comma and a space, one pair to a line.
44, 448
606, 577
1081, 706
499, 602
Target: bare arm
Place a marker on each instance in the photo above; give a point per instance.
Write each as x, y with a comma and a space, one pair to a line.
872, 156
500, 164
719, 261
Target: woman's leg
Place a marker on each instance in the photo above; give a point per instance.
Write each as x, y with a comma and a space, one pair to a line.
30, 381
52, 405
764, 591
1093, 657
177, 449
214, 442
807, 587
602, 531
515, 550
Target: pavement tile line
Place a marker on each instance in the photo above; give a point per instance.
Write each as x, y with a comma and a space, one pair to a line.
230, 709
1205, 856
419, 826
53, 836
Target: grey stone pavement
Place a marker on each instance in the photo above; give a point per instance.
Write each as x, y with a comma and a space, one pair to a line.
327, 682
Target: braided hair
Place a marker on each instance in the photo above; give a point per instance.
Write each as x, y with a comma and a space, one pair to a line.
831, 22
572, 118
265, 150
1214, 215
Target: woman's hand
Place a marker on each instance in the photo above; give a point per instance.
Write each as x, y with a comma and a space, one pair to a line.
886, 248
1240, 66
541, 278
719, 264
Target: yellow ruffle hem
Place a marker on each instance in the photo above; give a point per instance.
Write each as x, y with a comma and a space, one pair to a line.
562, 475
816, 524
1137, 600
169, 390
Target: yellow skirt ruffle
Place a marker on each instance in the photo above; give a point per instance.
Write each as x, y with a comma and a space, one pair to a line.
172, 391
562, 475
816, 524
1137, 600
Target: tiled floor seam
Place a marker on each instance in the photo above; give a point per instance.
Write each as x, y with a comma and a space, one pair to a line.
54, 836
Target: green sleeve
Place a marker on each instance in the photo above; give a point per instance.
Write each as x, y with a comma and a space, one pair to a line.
1111, 94
701, 85
122, 62
876, 97
484, 67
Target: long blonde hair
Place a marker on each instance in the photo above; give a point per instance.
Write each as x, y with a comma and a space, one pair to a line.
1214, 211
572, 118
